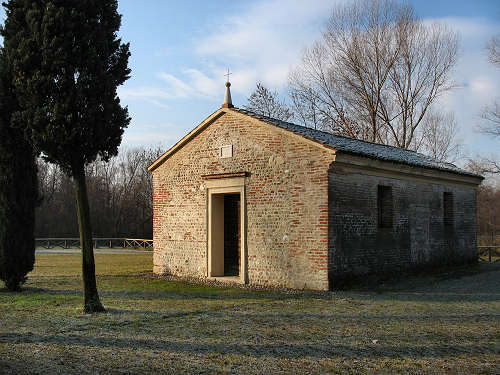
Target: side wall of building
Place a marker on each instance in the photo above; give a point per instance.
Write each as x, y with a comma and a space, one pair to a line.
418, 236
286, 198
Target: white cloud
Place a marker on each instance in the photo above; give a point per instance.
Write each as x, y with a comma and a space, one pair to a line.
261, 44
472, 27
152, 135
478, 80
201, 83
176, 87
482, 86
193, 83
153, 95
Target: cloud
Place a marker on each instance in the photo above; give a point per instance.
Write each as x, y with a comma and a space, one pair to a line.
176, 87
478, 79
153, 95
483, 86
472, 27
193, 83
164, 134
261, 44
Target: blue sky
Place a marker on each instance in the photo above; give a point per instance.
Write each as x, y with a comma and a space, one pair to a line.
181, 50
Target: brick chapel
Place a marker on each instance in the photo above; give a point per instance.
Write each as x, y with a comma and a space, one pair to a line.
251, 199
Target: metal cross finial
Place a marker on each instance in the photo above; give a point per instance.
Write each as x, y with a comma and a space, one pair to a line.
227, 75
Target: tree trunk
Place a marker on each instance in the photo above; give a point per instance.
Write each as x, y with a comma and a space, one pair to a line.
92, 302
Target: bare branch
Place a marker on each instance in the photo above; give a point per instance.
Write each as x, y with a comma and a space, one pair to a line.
484, 165
266, 102
491, 113
440, 137
375, 72
493, 48
491, 123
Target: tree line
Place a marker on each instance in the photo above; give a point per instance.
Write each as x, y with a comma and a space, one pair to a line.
120, 194
488, 214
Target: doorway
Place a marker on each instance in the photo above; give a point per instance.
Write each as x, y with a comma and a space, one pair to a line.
226, 234
232, 234
226, 223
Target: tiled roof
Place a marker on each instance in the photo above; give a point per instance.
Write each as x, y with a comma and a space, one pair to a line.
363, 148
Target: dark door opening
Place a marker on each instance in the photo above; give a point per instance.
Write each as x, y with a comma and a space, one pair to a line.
232, 235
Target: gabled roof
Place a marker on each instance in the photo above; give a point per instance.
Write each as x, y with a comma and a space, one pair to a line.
339, 143
362, 148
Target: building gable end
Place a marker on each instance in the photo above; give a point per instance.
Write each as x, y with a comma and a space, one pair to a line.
218, 114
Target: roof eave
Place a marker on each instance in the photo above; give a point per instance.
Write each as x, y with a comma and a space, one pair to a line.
467, 177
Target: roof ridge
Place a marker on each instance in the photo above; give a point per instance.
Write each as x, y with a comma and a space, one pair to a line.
325, 132
361, 147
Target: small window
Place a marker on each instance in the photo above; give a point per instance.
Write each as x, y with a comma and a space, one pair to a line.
448, 209
384, 206
226, 151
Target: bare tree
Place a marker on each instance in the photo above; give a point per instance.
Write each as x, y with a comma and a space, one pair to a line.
439, 137
493, 48
488, 213
375, 72
341, 77
491, 113
266, 102
304, 111
491, 120
484, 165
490, 124
120, 197
427, 55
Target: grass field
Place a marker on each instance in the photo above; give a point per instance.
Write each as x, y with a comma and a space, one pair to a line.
435, 324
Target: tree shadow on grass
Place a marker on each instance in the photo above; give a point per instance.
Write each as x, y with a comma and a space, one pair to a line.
425, 296
282, 350
476, 283
281, 317
366, 296
214, 294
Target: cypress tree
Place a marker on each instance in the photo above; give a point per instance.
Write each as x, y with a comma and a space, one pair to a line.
67, 63
18, 192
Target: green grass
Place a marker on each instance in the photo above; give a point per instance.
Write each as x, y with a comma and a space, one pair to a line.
447, 323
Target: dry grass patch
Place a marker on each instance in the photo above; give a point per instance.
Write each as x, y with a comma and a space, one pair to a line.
434, 324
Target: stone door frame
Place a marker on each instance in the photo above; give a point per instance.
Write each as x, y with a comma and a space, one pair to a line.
216, 185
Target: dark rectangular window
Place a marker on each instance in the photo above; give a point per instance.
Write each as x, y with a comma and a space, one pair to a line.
384, 206
448, 209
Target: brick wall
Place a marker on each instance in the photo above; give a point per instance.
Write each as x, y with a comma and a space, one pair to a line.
418, 236
287, 203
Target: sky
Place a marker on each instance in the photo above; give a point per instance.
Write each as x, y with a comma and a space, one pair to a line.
182, 49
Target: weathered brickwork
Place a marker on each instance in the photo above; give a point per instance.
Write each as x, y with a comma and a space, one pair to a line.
286, 203
418, 236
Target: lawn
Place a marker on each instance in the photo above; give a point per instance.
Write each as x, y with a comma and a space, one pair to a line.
436, 324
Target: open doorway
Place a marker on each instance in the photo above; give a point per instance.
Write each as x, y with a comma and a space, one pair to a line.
225, 234
226, 227
232, 234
